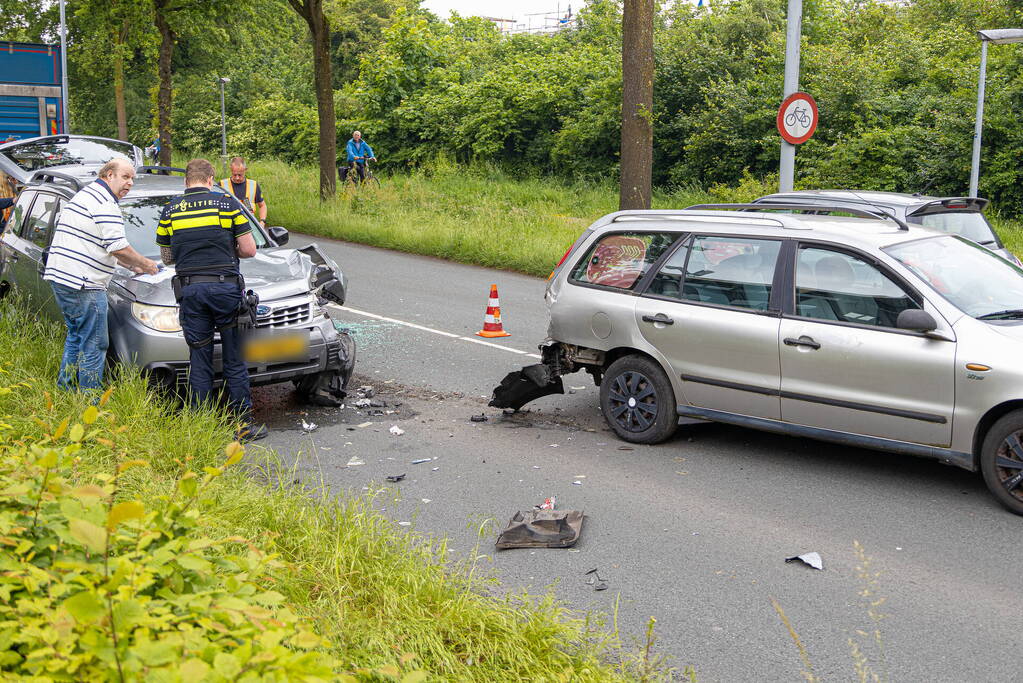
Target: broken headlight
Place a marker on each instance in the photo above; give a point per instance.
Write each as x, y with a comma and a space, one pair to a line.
159, 318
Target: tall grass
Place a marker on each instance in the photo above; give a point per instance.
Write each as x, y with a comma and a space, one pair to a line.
379, 595
475, 214
478, 214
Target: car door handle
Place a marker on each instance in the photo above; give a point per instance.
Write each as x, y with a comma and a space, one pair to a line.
659, 318
802, 341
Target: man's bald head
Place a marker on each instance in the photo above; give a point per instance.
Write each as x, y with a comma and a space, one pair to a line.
119, 175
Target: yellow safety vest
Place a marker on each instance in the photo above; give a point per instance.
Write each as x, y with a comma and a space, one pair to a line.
250, 191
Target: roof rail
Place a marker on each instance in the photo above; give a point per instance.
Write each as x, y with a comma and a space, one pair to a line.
677, 213
44, 176
62, 139
766, 205
159, 170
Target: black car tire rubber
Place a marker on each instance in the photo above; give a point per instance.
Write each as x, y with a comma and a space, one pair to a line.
651, 416
1004, 444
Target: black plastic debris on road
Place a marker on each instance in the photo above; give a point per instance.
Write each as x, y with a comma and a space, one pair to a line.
528, 384
542, 529
598, 583
482, 417
395, 477
809, 559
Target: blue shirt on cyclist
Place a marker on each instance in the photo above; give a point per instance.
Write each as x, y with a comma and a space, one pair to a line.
359, 150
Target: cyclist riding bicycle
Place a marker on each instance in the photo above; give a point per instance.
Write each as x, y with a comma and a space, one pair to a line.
358, 152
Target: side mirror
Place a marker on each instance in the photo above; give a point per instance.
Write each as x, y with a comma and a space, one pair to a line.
279, 235
916, 320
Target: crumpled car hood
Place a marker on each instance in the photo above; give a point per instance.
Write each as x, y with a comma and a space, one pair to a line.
272, 273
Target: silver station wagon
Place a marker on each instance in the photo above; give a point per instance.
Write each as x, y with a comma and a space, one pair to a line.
864, 331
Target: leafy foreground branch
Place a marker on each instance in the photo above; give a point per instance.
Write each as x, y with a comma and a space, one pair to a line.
135, 546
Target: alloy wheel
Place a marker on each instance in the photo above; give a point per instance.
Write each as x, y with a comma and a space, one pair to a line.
1009, 465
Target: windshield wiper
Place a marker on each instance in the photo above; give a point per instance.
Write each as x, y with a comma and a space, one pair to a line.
984, 244
1008, 314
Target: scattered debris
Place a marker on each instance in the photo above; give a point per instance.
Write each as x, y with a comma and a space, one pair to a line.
421, 461
577, 388
434, 469
404, 523
377, 403
395, 477
362, 403
577, 483
365, 392
536, 467
355, 462
396, 430
542, 529
598, 583
308, 426
482, 417
547, 504
425, 500
365, 424
626, 448
809, 559
522, 386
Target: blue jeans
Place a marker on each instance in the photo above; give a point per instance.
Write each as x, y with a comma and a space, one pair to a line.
85, 349
207, 307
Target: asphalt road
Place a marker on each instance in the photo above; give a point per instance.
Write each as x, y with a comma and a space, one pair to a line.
693, 532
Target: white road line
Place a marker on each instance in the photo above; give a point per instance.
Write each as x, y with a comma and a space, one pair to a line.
431, 330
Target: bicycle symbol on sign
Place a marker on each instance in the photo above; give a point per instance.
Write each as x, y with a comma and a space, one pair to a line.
798, 115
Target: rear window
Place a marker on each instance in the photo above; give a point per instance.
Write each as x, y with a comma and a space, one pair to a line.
32, 156
619, 260
970, 224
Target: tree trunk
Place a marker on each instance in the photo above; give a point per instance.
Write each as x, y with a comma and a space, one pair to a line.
122, 114
637, 151
164, 97
319, 31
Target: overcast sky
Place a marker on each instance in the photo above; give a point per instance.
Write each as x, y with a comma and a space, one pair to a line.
504, 9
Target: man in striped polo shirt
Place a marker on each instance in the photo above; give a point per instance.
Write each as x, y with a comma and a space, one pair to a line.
88, 242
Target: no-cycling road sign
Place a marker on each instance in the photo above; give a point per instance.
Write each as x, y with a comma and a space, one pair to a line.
797, 118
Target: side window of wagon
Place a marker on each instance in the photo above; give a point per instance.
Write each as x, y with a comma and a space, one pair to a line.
40, 220
18, 212
620, 260
726, 271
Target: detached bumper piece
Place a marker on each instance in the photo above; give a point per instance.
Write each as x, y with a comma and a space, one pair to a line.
542, 529
528, 384
328, 388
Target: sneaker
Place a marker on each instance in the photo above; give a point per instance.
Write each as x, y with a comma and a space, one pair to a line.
251, 432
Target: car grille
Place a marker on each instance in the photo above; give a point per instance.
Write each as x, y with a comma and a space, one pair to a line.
285, 316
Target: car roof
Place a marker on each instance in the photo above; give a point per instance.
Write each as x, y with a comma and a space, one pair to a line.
863, 233
870, 197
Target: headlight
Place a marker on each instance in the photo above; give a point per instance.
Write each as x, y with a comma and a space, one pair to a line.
159, 318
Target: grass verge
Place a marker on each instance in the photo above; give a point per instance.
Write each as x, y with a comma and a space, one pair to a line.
387, 601
479, 214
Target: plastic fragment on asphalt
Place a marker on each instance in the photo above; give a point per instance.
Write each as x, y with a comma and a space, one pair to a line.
547, 504
308, 426
420, 461
482, 417
395, 477
602, 586
626, 448
355, 462
366, 424
362, 403
405, 523
425, 500
810, 559
434, 469
396, 430
536, 467
365, 391
577, 483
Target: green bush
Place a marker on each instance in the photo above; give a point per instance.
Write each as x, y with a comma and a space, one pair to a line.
97, 588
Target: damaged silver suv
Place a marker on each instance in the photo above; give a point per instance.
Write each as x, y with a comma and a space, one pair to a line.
293, 286
866, 331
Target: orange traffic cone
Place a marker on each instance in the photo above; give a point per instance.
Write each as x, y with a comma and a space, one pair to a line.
492, 326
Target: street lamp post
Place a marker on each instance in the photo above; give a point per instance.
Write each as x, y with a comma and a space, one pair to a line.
63, 71
223, 124
998, 36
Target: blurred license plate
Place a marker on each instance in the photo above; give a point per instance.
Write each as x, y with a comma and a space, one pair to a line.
277, 347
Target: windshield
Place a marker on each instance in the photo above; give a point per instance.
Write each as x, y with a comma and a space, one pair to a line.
141, 216
976, 280
970, 224
32, 156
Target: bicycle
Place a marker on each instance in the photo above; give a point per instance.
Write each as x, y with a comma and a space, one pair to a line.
799, 115
350, 179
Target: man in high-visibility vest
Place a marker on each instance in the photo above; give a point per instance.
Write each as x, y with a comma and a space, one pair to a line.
247, 191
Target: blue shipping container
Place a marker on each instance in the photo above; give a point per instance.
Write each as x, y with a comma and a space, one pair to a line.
30, 98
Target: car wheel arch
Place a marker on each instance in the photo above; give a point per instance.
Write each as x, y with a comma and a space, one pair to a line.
985, 423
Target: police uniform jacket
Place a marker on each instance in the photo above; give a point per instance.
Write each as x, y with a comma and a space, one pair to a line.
201, 228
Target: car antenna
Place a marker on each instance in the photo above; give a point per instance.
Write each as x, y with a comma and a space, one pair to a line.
902, 226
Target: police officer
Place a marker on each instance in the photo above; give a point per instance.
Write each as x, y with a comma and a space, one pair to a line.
204, 234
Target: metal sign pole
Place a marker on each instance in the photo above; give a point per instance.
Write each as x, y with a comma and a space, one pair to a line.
979, 123
793, 32
63, 69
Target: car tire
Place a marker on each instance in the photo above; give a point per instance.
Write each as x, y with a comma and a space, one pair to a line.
1001, 461
637, 400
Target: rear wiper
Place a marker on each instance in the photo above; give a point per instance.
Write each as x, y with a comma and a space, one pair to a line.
984, 244
1008, 314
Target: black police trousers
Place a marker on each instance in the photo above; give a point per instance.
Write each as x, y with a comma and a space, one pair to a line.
206, 307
